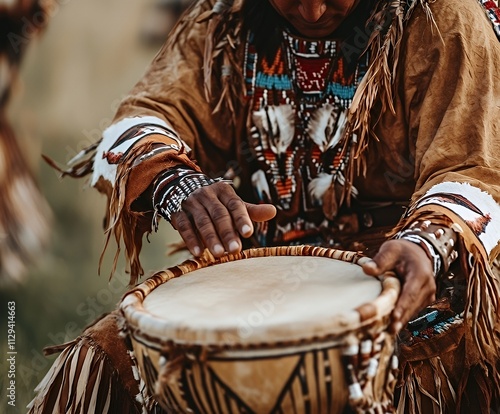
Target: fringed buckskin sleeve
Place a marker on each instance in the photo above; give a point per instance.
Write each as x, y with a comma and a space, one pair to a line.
165, 121
95, 373
450, 93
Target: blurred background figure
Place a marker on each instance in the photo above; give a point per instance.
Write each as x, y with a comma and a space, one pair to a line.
24, 213
71, 81
160, 18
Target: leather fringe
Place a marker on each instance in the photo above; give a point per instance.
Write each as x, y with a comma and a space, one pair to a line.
81, 380
483, 293
428, 388
416, 397
126, 224
378, 83
222, 42
481, 312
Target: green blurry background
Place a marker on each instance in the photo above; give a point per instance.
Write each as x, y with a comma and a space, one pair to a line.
72, 80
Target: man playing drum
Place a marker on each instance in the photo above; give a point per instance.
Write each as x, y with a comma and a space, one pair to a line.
367, 125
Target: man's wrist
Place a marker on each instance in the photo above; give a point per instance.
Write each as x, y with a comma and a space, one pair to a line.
430, 251
437, 241
174, 186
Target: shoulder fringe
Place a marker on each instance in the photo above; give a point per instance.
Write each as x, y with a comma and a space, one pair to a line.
81, 380
222, 45
482, 298
378, 84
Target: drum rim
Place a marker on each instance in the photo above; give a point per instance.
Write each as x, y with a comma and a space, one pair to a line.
360, 319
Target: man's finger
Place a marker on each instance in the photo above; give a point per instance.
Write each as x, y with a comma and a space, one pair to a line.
257, 213
261, 212
181, 222
212, 218
238, 212
205, 226
223, 222
417, 292
386, 259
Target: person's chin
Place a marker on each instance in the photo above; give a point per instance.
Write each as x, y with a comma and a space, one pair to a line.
316, 31
316, 34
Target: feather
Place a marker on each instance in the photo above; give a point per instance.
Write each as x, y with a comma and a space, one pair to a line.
319, 186
283, 127
324, 126
261, 186
339, 130
276, 127
321, 124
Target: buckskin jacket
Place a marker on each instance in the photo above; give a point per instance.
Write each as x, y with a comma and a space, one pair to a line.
400, 108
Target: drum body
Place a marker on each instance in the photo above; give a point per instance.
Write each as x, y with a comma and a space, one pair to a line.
272, 330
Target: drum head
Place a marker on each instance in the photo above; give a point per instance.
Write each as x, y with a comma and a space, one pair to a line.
273, 299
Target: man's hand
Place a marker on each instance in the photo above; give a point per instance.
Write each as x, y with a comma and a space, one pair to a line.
215, 217
415, 271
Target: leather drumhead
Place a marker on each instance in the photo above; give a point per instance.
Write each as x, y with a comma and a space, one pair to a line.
259, 300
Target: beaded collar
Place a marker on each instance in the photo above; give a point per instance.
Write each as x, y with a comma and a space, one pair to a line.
493, 12
309, 71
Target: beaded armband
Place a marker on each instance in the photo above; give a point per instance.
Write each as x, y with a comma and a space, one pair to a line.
174, 186
437, 241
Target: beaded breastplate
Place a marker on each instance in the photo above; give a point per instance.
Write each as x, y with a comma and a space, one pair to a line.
299, 101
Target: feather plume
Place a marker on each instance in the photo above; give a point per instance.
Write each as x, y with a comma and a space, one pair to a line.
276, 127
260, 184
319, 186
327, 126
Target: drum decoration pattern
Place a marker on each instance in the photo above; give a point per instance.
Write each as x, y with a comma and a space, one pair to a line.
318, 368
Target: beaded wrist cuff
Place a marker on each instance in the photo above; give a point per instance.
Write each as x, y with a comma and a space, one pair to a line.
174, 186
437, 241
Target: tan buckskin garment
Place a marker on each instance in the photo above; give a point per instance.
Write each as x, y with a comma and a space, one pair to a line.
445, 126
444, 129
